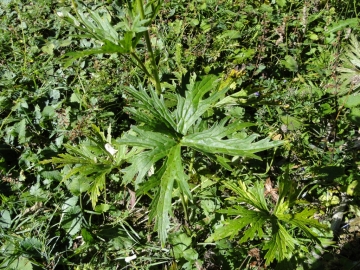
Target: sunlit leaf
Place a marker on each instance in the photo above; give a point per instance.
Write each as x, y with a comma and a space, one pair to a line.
163, 207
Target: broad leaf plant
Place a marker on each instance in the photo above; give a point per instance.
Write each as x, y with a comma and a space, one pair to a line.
252, 216
151, 155
165, 134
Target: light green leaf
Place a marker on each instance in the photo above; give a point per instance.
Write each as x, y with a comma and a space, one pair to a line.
354, 116
69, 203
108, 47
136, 26
72, 216
141, 163
190, 254
48, 48
280, 246
180, 242
5, 219
281, 3
232, 34
31, 244
192, 107
233, 227
258, 216
349, 70
97, 186
21, 263
305, 221
341, 24
78, 185
163, 207
75, 98
48, 111
234, 147
102, 208
350, 101
291, 123
290, 63
151, 183
155, 107
219, 130
37, 191
21, 130
87, 236
51, 175
253, 196
208, 206
147, 139
90, 162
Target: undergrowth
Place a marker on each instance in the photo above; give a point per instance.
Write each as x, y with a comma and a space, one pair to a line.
179, 134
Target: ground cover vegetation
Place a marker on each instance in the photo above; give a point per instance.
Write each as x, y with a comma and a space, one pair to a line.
194, 134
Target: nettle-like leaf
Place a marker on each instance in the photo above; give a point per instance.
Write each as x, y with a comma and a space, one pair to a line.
257, 215
163, 133
87, 164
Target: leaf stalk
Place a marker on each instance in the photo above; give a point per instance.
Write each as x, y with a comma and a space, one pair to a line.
149, 47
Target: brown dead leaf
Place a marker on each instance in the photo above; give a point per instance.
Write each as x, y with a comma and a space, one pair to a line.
270, 190
255, 253
132, 199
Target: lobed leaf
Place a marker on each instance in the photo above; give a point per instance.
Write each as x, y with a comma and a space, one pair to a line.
280, 246
192, 107
253, 196
233, 147
154, 106
255, 219
163, 207
141, 163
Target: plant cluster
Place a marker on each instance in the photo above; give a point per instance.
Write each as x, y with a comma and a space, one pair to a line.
179, 134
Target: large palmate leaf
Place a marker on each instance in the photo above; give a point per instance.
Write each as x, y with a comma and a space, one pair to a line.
256, 214
163, 133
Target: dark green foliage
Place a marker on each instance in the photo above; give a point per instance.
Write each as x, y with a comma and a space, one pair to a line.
179, 134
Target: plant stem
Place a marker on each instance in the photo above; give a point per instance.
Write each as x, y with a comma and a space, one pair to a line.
142, 66
184, 204
148, 44
192, 161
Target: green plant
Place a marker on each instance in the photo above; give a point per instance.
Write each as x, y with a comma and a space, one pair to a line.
123, 38
165, 132
65, 77
277, 225
91, 162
